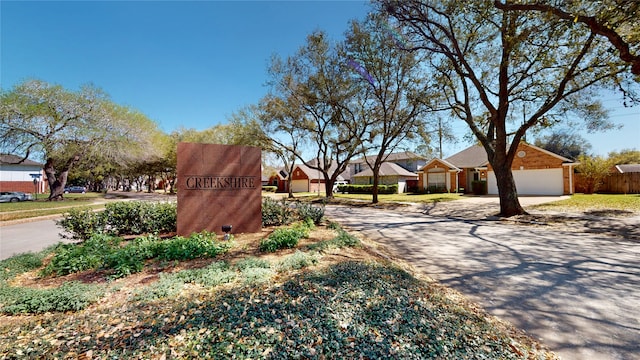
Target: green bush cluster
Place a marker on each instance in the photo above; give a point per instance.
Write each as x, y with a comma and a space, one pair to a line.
132, 218
298, 260
367, 189
308, 211
276, 213
70, 296
104, 251
286, 237
269, 188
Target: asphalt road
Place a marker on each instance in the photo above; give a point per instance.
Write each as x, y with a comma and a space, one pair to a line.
28, 237
577, 292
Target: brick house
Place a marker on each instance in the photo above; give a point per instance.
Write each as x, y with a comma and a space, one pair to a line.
536, 171
16, 176
306, 179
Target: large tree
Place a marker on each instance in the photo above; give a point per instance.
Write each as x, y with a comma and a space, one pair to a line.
315, 85
393, 92
490, 64
618, 21
63, 127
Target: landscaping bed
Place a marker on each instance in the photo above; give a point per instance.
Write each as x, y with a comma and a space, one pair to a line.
329, 295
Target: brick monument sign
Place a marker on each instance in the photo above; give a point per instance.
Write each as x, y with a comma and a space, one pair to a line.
219, 185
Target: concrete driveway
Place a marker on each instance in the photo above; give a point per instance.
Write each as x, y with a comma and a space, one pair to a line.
576, 291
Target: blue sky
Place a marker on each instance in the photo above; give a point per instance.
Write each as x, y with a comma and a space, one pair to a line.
188, 64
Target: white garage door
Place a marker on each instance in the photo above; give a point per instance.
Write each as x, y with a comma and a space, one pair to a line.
299, 185
532, 182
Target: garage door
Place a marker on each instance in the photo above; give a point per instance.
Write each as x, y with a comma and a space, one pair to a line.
532, 182
300, 185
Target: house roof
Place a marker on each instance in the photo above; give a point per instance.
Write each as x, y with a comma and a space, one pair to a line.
314, 174
628, 168
471, 157
387, 169
8, 159
475, 156
444, 162
405, 155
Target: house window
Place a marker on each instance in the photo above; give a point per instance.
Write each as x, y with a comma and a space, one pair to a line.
436, 178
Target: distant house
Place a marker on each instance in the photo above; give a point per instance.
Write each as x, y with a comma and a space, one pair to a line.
15, 176
628, 168
399, 168
536, 171
280, 180
389, 174
306, 179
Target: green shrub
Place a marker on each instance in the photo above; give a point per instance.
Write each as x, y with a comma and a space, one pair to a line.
197, 245
269, 188
367, 189
256, 275
284, 238
70, 296
80, 224
119, 218
91, 254
298, 260
276, 213
308, 211
138, 217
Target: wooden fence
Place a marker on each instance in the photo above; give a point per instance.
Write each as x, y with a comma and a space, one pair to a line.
627, 183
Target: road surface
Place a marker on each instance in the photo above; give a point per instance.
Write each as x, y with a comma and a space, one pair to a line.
576, 291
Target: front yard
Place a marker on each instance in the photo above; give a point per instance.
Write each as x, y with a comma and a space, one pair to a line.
331, 295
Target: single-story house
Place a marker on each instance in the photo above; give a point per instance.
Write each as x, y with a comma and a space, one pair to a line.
306, 179
15, 176
389, 174
536, 171
628, 168
280, 180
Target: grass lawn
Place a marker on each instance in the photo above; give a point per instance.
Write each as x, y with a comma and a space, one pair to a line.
42, 207
596, 203
324, 299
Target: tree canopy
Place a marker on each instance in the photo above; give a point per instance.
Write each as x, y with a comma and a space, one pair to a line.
493, 65
63, 127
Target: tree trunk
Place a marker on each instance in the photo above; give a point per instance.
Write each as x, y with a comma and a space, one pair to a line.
57, 184
509, 203
376, 181
328, 188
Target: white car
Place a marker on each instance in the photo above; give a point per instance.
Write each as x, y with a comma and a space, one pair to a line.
14, 196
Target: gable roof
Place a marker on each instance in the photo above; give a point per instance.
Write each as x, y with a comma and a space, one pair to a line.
399, 156
8, 159
475, 156
628, 168
443, 162
472, 157
387, 169
314, 174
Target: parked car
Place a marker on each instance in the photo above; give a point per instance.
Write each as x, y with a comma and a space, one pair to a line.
14, 196
75, 189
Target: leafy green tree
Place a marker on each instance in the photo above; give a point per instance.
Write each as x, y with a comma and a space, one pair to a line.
390, 86
489, 64
593, 170
564, 143
318, 92
64, 127
615, 20
626, 156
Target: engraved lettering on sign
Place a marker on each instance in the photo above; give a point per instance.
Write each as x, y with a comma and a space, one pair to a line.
220, 182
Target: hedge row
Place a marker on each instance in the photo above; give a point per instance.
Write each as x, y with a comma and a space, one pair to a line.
367, 189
